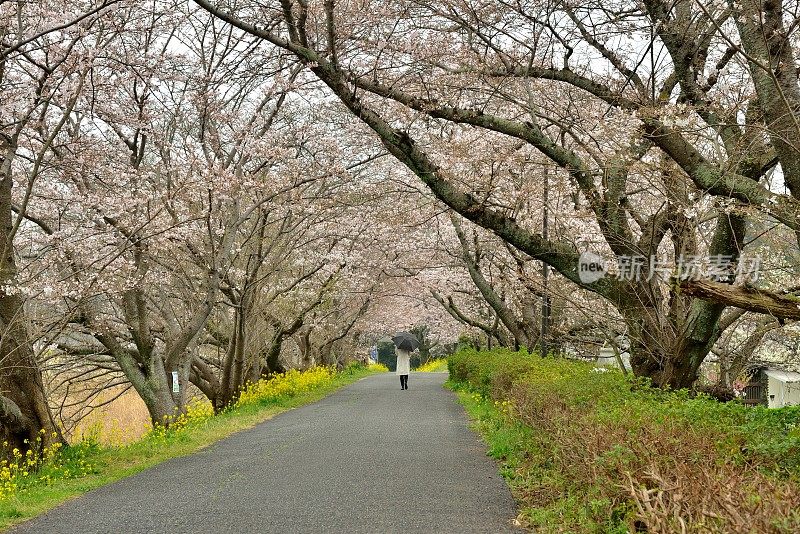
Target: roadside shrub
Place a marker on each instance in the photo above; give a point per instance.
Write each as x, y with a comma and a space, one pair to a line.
603, 445
433, 366
489, 371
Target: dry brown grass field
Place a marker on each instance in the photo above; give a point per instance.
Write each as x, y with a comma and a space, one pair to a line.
121, 421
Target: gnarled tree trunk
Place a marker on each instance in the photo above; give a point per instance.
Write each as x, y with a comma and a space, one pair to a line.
24, 412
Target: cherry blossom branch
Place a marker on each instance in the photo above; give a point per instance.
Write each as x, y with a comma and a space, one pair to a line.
7, 49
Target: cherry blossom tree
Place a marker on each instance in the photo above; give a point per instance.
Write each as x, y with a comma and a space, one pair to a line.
46, 50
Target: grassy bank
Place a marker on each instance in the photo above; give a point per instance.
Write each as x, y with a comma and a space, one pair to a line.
74, 470
591, 451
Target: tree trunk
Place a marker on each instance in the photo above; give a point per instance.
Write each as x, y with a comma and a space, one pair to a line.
21, 384
304, 343
20, 377
164, 405
272, 359
205, 379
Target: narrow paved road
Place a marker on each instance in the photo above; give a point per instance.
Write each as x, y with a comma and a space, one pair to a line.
368, 458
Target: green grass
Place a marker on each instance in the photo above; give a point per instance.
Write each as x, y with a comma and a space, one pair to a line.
596, 452
89, 465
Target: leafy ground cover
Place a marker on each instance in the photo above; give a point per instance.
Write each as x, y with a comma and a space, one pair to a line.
588, 450
31, 484
438, 365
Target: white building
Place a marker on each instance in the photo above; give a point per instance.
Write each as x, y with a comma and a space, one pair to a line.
783, 388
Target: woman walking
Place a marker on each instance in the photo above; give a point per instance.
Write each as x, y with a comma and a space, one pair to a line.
405, 343
403, 366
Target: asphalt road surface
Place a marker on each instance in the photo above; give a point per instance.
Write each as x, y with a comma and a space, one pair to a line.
368, 458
